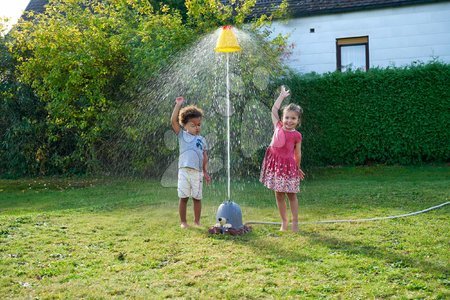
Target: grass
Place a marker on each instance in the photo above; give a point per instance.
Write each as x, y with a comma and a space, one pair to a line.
115, 238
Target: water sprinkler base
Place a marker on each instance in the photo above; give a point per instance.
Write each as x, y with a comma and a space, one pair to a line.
229, 220
231, 231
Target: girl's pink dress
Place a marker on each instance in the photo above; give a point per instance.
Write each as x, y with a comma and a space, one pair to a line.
279, 171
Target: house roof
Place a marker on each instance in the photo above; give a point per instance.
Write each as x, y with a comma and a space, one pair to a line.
299, 8
36, 5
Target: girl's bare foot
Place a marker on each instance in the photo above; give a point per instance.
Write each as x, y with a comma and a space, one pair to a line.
184, 225
295, 227
197, 224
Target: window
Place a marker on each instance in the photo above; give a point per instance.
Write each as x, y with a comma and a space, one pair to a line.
352, 53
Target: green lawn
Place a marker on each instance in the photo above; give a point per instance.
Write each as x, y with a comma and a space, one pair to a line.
103, 238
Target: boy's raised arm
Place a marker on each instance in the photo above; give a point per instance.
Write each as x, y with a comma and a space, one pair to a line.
174, 118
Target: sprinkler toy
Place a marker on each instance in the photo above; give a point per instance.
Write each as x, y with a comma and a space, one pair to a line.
229, 211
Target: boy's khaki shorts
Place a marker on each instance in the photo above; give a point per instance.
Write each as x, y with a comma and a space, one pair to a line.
190, 182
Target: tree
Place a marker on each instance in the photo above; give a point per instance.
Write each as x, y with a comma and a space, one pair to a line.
84, 61
22, 121
79, 57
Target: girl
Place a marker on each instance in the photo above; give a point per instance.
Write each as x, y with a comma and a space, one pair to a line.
281, 170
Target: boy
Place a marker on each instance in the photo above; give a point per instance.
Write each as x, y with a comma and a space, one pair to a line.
193, 159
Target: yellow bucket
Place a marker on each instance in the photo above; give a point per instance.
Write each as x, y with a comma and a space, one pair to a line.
227, 41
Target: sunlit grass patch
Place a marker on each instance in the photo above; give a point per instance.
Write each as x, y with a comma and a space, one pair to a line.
121, 238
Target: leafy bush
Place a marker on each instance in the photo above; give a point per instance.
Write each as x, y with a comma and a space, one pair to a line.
74, 70
22, 122
394, 115
80, 59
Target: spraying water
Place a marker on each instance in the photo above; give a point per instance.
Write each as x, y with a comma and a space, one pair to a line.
229, 215
227, 43
234, 129
232, 89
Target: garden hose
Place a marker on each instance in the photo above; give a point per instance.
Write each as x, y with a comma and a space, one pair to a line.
357, 220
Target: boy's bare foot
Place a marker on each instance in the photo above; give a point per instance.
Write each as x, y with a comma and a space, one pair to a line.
197, 224
295, 227
184, 225
283, 227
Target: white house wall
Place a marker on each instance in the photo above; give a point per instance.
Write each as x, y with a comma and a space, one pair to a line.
397, 36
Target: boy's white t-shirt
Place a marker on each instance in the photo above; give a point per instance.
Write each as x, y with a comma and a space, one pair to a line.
191, 150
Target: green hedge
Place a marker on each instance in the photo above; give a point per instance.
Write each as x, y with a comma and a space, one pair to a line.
394, 115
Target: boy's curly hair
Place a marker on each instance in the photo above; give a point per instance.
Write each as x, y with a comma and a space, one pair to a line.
189, 112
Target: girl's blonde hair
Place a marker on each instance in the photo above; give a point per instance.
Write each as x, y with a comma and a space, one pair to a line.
295, 108
189, 112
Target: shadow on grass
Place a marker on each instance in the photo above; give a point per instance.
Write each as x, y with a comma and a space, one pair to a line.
268, 244
361, 249
271, 247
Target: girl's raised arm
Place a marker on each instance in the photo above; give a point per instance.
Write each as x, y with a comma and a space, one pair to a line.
276, 106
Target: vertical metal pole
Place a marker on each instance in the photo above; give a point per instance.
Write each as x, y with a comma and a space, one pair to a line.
228, 128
